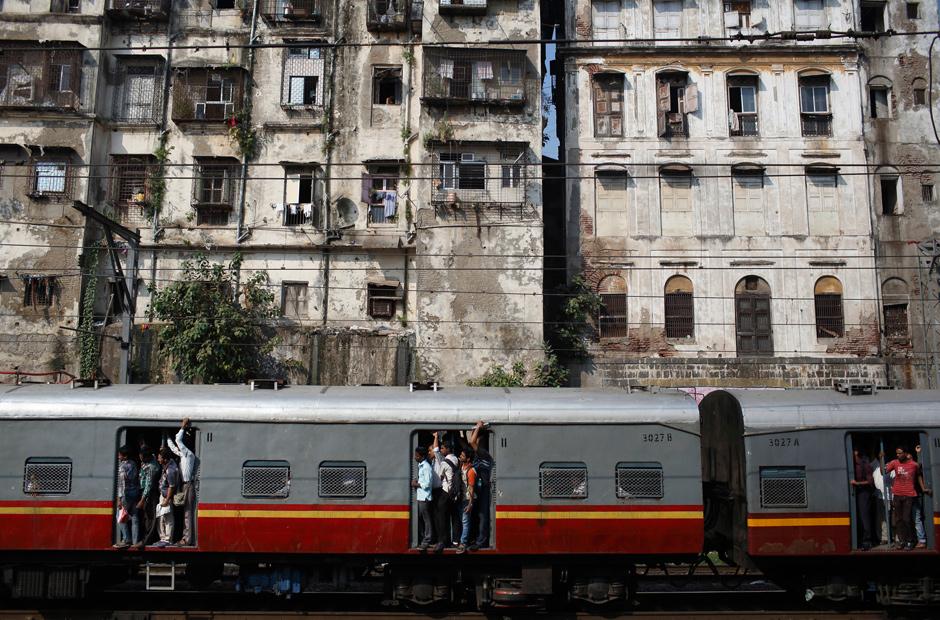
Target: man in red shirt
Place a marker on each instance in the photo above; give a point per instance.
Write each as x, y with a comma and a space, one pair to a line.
905, 473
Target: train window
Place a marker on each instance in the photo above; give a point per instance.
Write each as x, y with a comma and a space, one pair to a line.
265, 479
342, 479
563, 481
47, 476
639, 480
783, 487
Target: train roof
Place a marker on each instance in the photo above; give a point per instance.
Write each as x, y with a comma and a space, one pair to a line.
460, 405
772, 410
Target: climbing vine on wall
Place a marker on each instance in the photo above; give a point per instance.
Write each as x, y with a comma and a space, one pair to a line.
158, 178
88, 340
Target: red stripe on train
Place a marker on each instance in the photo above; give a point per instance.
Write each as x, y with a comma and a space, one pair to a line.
639, 536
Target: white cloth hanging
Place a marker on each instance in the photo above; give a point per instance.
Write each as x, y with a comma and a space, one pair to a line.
446, 68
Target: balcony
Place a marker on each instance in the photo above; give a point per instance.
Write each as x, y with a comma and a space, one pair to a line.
65, 6
208, 95
462, 7
292, 12
816, 125
301, 214
387, 15
152, 10
475, 76
40, 79
743, 124
479, 173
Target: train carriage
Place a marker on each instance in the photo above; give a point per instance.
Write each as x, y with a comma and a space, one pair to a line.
777, 467
316, 481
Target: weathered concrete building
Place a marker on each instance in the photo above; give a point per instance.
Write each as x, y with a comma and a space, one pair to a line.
903, 151
382, 186
718, 197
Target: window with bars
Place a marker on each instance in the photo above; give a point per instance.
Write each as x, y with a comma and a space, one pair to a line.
39, 291
608, 105
639, 480
51, 179
563, 481
47, 476
783, 487
139, 96
342, 479
480, 173
294, 300
214, 183
34, 74
679, 313
387, 14
612, 319
303, 77
207, 94
742, 103
830, 322
382, 301
475, 76
926, 192
288, 12
896, 325
266, 479
815, 113
65, 6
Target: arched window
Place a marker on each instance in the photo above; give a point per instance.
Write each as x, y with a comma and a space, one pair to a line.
830, 320
895, 296
679, 308
815, 111
612, 319
753, 325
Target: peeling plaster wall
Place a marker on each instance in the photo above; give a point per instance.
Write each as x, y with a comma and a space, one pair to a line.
713, 244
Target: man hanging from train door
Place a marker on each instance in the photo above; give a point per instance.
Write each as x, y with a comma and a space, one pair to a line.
906, 472
423, 486
483, 465
188, 473
863, 484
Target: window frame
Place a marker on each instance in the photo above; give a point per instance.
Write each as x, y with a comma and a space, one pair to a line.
298, 299
679, 311
742, 82
912, 10
268, 464
46, 460
332, 464
375, 296
378, 80
637, 465
782, 469
546, 466
829, 310
607, 92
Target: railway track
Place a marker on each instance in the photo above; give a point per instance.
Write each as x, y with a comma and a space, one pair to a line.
399, 615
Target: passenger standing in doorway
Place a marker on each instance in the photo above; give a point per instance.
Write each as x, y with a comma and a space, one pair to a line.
483, 465
863, 483
188, 473
128, 495
424, 488
467, 484
906, 471
922, 489
149, 495
445, 468
169, 483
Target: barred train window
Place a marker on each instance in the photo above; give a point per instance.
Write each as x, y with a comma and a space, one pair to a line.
44, 475
342, 479
783, 487
266, 479
563, 481
639, 480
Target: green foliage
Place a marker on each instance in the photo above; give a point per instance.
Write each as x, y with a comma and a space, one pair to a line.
210, 337
570, 327
88, 341
243, 136
409, 55
442, 131
158, 178
545, 373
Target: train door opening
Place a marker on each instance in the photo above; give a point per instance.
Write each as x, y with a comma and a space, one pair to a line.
878, 522
145, 447
448, 515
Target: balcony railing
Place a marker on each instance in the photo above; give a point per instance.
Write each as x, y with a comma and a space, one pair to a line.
208, 96
287, 12
475, 175
48, 78
816, 124
676, 125
743, 124
475, 76
156, 10
387, 14
301, 214
467, 7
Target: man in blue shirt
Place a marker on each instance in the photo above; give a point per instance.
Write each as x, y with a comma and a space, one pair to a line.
423, 487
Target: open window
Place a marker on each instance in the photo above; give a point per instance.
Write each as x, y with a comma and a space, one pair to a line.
737, 14
815, 112
742, 104
303, 76
303, 192
873, 16
676, 98
386, 85
879, 97
874, 525
919, 92
895, 295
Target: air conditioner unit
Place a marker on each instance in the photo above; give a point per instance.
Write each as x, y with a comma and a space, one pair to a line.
466, 157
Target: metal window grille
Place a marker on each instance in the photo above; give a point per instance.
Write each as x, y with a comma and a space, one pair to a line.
139, 8
382, 301
39, 78
680, 315
47, 476
130, 188
139, 97
480, 175
51, 179
926, 192
639, 481
475, 76
608, 105
302, 77
783, 487
612, 320
266, 479
462, 6
896, 321
39, 291
339, 479
387, 14
284, 12
563, 481
294, 300
65, 6
211, 216
208, 94
829, 318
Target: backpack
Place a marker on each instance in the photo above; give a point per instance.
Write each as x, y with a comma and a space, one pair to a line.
457, 481
483, 466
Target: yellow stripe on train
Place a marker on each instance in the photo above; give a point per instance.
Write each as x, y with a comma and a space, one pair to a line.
54, 510
799, 522
303, 514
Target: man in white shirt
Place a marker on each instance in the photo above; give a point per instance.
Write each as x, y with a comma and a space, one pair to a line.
187, 471
445, 470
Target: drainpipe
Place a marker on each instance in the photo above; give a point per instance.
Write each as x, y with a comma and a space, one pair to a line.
239, 231
328, 167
